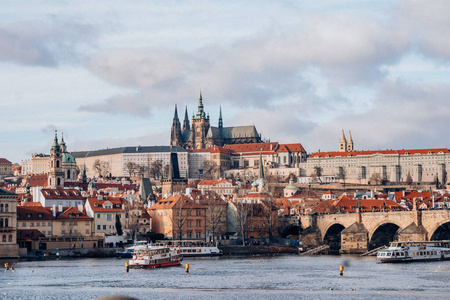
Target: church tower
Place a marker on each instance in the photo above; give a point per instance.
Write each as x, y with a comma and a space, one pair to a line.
200, 126
175, 133
56, 174
186, 125
220, 119
342, 143
350, 146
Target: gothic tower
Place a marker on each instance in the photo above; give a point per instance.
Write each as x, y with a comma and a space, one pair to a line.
220, 119
350, 146
342, 143
200, 126
175, 133
56, 174
186, 125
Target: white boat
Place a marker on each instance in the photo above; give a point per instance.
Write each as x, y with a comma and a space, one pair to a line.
415, 251
129, 251
155, 257
194, 251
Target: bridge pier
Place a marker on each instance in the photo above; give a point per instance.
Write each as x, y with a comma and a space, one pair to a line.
354, 239
413, 232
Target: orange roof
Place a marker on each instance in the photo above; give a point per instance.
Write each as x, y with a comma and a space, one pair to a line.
33, 213
38, 180
97, 205
61, 194
385, 152
255, 147
172, 201
73, 213
291, 148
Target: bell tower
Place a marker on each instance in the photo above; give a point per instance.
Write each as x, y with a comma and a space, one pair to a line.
56, 174
175, 133
200, 126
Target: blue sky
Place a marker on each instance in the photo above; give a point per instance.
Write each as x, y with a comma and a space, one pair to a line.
108, 73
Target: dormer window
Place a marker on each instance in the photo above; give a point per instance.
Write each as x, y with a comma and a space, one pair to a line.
28, 215
40, 215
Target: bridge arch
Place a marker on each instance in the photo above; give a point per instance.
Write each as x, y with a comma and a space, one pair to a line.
383, 233
441, 231
332, 236
291, 229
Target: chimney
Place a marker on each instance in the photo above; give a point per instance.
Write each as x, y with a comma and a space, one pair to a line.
60, 208
54, 210
80, 207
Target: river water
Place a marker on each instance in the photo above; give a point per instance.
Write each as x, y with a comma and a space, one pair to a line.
277, 277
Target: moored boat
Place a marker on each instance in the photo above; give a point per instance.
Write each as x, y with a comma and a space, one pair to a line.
128, 252
415, 251
155, 257
194, 251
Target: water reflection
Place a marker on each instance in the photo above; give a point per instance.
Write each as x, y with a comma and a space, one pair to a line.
286, 277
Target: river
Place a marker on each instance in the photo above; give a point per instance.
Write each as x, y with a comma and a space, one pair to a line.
257, 277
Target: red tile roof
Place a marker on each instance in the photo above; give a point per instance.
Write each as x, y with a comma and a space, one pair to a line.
4, 160
61, 194
73, 213
33, 213
385, 152
38, 180
97, 205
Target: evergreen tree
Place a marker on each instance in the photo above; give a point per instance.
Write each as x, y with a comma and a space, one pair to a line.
118, 225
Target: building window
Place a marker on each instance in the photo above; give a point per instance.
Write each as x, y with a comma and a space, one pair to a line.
63, 231
1, 207
199, 223
49, 224
38, 224
63, 223
98, 216
108, 217
87, 231
24, 224
49, 233
87, 223
4, 238
31, 224
104, 227
98, 227
6, 208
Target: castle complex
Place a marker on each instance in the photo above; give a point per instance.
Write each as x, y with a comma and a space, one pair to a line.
202, 135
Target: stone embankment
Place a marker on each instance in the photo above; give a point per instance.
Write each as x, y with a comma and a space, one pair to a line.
254, 249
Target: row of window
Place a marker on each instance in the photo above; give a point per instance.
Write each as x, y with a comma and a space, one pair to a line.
10, 238
49, 224
5, 224
104, 227
4, 208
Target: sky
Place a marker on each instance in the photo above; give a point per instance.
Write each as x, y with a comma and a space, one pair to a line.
109, 73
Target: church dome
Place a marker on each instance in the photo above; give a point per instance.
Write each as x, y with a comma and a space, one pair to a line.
68, 158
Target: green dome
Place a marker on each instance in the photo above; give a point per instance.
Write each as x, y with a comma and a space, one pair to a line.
68, 158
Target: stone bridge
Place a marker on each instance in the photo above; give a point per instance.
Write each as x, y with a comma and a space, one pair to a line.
361, 231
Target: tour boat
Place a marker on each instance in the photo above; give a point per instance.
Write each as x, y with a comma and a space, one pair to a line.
415, 251
155, 257
194, 251
128, 252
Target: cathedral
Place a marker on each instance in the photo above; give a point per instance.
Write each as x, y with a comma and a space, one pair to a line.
202, 135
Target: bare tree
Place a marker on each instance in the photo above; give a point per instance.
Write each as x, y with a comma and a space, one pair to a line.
243, 215
210, 170
156, 169
269, 215
179, 216
131, 168
216, 213
375, 179
97, 166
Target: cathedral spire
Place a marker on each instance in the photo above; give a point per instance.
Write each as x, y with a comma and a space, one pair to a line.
200, 113
350, 145
261, 167
220, 118
342, 143
186, 125
175, 115
175, 133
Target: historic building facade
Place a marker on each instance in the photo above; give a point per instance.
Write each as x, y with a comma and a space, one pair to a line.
8, 224
202, 135
349, 165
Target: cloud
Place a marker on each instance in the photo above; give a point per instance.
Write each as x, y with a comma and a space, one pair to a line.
429, 22
45, 43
